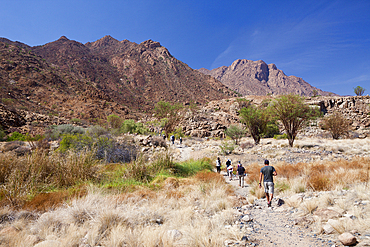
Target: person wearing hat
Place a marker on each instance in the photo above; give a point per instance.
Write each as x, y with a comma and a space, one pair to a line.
268, 172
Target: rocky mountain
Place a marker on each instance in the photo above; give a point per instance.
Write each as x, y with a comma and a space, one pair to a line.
258, 78
91, 81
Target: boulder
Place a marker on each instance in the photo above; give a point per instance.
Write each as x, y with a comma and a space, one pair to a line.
347, 239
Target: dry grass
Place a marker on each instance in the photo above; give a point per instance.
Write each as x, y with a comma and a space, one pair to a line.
141, 218
25, 176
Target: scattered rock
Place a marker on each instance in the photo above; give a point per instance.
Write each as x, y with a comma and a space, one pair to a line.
347, 239
328, 229
325, 214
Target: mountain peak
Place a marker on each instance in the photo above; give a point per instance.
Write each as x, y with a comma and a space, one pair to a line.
257, 78
150, 44
107, 40
63, 38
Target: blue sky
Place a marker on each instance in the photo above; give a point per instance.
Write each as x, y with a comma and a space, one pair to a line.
327, 43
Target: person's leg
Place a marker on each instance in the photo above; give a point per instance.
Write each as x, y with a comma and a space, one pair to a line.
242, 181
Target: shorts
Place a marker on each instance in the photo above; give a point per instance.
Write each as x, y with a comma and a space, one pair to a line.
269, 187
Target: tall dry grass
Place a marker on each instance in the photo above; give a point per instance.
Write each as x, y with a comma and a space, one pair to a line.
317, 176
25, 176
142, 218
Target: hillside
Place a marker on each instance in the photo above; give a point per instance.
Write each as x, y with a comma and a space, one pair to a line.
257, 78
91, 81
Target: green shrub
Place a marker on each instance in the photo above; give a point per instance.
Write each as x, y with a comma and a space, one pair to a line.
16, 136
227, 147
76, 120
104, 147
130, 126
57, 131
114, 121
272, 129
283, 136
2, 134
96, 131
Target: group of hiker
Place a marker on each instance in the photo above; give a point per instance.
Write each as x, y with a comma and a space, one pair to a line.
267, 172
172, 139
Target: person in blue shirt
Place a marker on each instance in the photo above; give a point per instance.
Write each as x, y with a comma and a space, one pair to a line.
268, 172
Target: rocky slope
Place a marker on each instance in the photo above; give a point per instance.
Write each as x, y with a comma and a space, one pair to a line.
257, 78
91, 81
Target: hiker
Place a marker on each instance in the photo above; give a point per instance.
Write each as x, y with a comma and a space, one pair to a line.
218, 165
173, 139
180, 140
241, 172
268, 181
230, 170
228, 163
164, 137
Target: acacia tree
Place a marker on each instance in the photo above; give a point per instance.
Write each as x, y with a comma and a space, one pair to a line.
293, 113
235, 132
336, 124
256, 120
169, 114
359, 91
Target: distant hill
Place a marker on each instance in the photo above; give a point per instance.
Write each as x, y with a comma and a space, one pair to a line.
93, 80
257, 78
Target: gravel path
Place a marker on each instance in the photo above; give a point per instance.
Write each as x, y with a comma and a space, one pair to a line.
274, 226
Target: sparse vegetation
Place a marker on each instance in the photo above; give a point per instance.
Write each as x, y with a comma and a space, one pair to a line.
336, 124
169, 114
235, 132
293, 113
256, 120
130, 126
114, 121
359, 91
227, 147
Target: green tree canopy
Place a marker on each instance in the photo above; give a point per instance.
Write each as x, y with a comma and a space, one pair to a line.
293, 113
256, 120
235, 132
169, 114
359, 91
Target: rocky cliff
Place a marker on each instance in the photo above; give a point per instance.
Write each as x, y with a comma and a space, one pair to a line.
258, 78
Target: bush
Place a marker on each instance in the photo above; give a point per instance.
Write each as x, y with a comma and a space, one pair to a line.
227, 147
56, 131
130, 126
16, 136
272, 129
2, 134
283, 136
114, 121
96, 131
235, 132
336, 124
104, 147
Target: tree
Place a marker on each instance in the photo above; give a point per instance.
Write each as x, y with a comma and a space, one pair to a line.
114, 121
256, 120
235, 132
336, 124
359, 91
169, 114
293, 113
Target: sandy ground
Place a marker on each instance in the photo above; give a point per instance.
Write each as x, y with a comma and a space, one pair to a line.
273, 227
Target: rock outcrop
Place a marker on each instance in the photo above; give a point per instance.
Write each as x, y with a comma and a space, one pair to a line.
257, 78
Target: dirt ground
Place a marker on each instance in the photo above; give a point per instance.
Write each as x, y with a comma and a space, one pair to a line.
273, 226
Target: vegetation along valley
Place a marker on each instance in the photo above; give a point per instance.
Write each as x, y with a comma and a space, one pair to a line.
114, 143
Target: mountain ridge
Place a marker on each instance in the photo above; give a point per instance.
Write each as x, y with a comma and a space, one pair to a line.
249, 77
